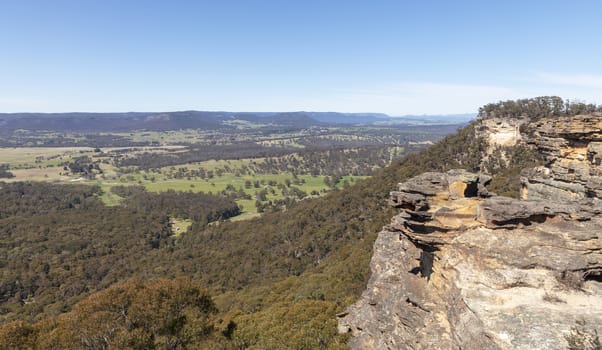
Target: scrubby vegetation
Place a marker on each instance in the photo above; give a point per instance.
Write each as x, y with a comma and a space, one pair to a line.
200, 207
537, 107
159, 314
4, 172
507, 163
583, 338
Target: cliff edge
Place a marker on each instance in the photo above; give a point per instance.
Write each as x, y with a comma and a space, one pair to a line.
462, 268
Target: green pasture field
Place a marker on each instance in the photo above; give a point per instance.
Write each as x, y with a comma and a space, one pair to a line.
44, 164
218, 184
24, 158
178, 225
216, 164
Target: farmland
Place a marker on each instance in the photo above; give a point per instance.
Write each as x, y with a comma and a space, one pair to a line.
262, 166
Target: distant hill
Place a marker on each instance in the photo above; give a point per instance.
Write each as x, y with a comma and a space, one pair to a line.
161, 121
435, 119
349, 118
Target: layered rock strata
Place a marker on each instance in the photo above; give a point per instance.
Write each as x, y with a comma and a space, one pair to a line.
459, 268
572, 147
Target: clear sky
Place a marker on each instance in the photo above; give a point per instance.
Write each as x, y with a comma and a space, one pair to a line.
396, 57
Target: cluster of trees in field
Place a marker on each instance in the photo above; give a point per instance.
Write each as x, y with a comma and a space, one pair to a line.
363, 161
538, 107
355, 161
200, 153
202, 208
83, 166
4, 172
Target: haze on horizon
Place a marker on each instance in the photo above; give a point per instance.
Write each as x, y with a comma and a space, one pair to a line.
394, 57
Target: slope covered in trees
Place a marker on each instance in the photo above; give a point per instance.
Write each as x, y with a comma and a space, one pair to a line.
308, 262
60, 242
277, 281
537, 107
160, 314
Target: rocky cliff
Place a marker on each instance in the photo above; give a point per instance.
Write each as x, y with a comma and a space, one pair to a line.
461, 268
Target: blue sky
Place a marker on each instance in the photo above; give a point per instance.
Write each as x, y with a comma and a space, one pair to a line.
395, 57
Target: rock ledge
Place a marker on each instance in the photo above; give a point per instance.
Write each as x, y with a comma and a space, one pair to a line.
460, 268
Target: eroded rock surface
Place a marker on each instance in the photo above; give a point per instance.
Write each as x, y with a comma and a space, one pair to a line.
501, 131
459, 268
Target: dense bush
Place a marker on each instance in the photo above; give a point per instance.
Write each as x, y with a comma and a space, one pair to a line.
199, 207
4, 172
160, 314
545, 106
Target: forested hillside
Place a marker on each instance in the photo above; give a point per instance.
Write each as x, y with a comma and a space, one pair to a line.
307, 262
276, 281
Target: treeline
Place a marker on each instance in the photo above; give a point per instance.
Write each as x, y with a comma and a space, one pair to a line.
200, 153
199, 207
363, 161
49, 139
157, 314
5, 173
538, 107
83, 166
39, 198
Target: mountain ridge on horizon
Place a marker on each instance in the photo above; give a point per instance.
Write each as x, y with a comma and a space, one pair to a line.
128, 121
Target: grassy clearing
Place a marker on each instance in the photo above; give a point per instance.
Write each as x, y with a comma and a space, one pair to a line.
249, 210
109, 198
311, 184
131, 151
216, 164
244, 124
26, 157
38, 174
179, 226
350, 180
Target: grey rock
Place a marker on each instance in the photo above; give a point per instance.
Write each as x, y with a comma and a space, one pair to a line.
462, 268
426, 184
573, 151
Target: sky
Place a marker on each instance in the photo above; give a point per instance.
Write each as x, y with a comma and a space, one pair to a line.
395, 57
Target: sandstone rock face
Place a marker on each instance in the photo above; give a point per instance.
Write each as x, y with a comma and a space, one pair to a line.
501, 131
573, 148
459, 268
